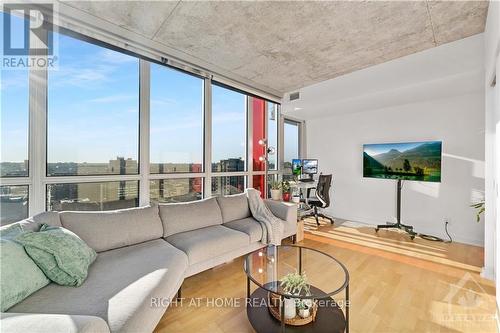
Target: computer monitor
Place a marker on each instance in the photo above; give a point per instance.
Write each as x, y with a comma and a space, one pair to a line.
309, 166
296, 167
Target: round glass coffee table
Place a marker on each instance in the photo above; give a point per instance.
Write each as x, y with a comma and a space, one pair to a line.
325, 276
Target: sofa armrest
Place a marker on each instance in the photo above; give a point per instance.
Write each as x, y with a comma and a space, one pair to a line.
286, 211
54, 323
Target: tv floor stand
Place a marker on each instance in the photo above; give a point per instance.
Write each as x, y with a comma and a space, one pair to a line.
398, 224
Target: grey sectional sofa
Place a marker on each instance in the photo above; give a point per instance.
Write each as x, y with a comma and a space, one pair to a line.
144, 254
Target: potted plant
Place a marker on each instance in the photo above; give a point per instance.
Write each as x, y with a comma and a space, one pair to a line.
294, 284
479, 206
286, 190
296, 195
304, 307
275, 190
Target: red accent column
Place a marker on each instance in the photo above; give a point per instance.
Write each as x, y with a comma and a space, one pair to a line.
259, 132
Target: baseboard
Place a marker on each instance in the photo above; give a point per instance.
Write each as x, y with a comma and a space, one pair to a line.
437, 232
488, 273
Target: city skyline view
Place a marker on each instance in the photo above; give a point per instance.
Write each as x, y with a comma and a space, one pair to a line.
93, 129
97, 88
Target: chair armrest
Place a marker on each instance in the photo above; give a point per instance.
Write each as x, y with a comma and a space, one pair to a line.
286, 211
54, 323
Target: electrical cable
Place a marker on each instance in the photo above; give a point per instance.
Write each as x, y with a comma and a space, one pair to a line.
435, 238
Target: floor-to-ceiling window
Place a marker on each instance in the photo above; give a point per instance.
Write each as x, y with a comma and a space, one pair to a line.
229, 140
291, 143
176, 134
14, 134
108, 129
92, 127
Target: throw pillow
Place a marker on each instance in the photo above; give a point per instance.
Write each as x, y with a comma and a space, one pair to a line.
59, 253
19, 275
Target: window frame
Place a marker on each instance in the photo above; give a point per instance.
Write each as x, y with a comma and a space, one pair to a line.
38, 180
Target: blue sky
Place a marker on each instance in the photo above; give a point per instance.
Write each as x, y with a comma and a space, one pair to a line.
93, 110
375, 149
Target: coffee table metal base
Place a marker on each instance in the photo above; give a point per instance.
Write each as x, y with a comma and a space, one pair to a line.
329, 319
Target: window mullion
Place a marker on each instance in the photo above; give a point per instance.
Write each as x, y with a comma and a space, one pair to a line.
144, 131
38, 93
249, 141
207, 140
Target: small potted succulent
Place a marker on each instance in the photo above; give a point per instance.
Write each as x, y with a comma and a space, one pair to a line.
294, 284
275, 190
286, 190
304, 306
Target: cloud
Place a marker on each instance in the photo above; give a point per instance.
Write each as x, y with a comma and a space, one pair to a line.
114, 57
112, 99
158, 102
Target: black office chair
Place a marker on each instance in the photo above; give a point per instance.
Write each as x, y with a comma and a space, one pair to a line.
321, 199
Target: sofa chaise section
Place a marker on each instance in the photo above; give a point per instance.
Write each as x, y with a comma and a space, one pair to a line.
123, 287
53, 323
143, 256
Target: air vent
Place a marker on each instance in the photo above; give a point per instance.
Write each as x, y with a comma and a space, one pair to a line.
294, 96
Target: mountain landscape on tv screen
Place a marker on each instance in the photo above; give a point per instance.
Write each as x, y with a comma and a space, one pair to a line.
408, 161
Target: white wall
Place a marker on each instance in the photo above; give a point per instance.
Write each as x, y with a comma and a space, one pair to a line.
492, 140
458, 121
436, 94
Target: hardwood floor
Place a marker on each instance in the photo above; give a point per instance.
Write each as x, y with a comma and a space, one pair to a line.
396, 285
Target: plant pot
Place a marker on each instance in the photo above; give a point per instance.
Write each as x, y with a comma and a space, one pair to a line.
276, 195
296, 199
286, 196
304, 313
290, 308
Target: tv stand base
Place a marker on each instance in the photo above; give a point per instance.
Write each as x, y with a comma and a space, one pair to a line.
407, 228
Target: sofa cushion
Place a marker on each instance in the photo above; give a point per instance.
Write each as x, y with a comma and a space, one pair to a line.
19, 275
249, 226
109, 230
234, 207
120, 287
186, 216
205, 243
60, 254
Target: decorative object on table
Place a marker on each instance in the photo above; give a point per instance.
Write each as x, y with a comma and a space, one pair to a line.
480, 207
264, 309
294, 284
285, 186
265, 158
304, 306
295, 194
275, 190
297, 319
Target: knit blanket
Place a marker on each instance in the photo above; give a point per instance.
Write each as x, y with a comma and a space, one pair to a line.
272, 226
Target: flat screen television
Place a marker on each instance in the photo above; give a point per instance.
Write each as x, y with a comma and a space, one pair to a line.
309, 167
418, 161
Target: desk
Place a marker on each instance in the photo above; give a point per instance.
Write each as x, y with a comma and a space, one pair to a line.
304, 186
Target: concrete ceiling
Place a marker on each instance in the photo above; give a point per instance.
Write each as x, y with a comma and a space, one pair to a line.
288, 45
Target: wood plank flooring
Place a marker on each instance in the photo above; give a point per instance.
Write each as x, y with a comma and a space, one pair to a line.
396, 285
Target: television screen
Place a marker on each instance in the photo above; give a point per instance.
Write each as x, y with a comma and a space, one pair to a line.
310, 166
296, 166
419, 161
